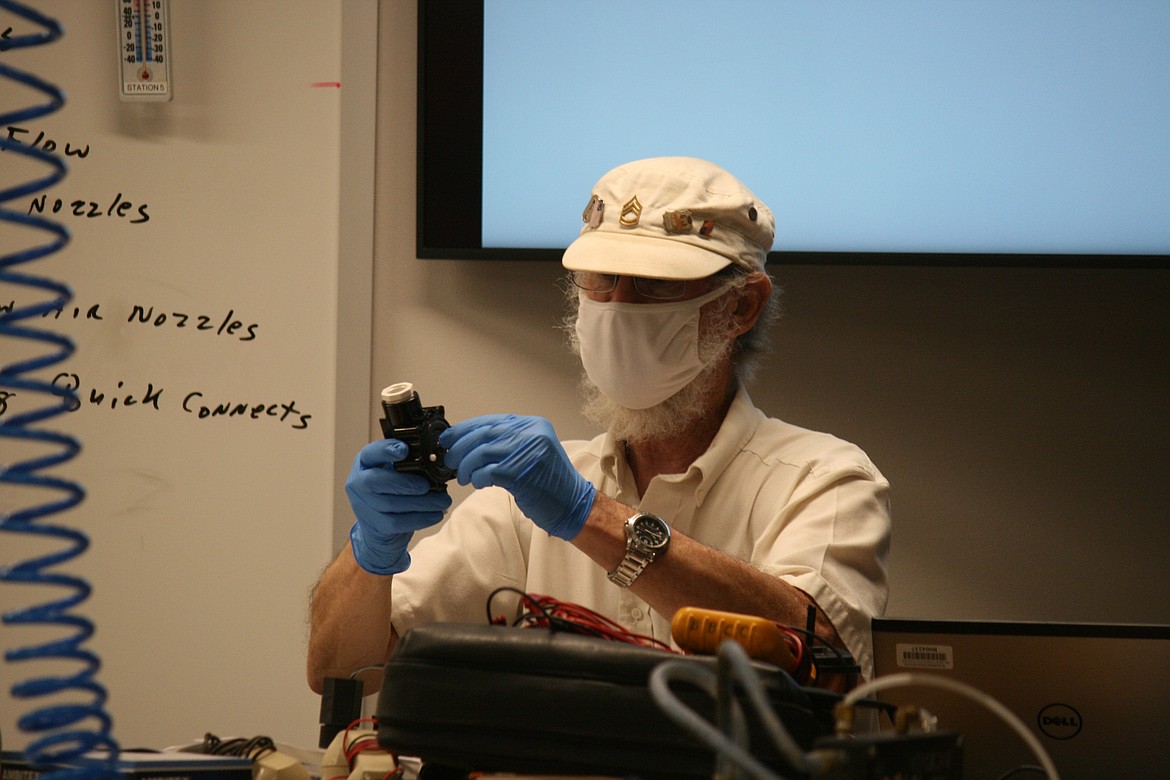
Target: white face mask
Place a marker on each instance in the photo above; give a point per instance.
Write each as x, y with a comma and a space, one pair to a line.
640, 354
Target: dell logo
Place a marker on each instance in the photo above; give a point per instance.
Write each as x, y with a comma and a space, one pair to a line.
1059, 721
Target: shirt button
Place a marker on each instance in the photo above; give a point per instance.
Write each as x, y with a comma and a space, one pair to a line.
637, 614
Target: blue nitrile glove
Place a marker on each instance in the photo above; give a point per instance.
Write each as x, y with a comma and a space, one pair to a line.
523, 456
389, 507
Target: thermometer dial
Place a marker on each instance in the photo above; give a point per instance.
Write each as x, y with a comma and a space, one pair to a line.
144, 49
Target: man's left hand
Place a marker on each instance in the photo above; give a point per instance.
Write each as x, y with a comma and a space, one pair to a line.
523, 456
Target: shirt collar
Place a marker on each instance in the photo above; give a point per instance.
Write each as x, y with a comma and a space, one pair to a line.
738, 427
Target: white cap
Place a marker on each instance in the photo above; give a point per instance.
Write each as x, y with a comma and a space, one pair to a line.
671, 218
399, 391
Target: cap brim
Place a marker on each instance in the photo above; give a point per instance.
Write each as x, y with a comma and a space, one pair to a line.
640, 255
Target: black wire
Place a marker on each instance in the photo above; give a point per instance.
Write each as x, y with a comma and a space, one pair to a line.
541, 615
846, 668
813, 640
554, 622
491, 597
253, 748
1023, 768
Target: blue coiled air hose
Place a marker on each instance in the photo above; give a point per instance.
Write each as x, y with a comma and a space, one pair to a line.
77, 735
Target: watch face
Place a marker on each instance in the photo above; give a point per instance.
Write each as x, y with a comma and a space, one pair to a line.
651, 532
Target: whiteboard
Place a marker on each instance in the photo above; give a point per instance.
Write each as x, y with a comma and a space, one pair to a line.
220, 265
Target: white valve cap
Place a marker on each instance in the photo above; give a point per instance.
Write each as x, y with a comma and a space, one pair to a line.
399, 391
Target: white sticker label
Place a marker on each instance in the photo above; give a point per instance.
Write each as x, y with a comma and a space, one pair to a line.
925, 657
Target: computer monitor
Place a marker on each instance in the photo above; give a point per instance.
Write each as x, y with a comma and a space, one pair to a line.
1096, 696
990, 133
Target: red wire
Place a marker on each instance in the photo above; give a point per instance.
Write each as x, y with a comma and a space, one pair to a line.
366, 743
547, 612
800, 651
795, 643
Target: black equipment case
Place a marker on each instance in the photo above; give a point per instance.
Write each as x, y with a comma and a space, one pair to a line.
530, 700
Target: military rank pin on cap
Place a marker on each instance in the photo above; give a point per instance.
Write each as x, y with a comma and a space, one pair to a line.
671, 218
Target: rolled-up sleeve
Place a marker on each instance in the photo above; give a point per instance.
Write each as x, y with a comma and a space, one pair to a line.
832, 542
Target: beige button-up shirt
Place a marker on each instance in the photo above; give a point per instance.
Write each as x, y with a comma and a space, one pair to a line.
800, 505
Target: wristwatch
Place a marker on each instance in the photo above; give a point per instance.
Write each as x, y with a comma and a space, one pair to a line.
647, 537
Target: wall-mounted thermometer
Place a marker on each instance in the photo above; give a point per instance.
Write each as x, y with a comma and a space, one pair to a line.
144, 49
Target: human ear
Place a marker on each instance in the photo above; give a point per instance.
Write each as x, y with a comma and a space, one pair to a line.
750, 305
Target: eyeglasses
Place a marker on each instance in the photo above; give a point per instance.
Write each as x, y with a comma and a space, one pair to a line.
658, 289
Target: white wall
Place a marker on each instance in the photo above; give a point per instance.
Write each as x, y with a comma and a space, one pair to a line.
207, 530
1019, 414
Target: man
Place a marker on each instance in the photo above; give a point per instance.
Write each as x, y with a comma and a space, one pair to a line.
691, 498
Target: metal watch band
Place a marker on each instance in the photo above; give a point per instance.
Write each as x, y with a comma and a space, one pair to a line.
628, 570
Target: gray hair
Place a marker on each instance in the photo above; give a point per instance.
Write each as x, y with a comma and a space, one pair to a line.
751, 347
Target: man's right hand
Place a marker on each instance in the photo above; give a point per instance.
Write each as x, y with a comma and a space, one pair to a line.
389, 506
